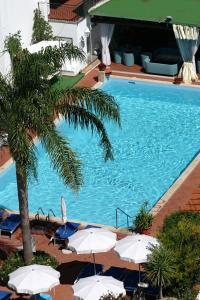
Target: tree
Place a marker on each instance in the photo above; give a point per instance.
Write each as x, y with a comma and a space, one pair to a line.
160, 267
42, 30
28, 107
181, 234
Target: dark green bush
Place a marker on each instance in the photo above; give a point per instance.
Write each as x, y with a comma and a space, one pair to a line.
15, 260
110, 296
181, 234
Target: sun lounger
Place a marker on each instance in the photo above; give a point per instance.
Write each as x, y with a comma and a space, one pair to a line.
116, 272
4, 295
88, 270
131, 281
10, 224
65, 231
33, 245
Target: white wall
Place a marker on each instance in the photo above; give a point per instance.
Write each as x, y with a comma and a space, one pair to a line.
15, 15
65, 30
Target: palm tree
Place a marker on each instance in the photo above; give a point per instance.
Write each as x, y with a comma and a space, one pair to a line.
160, 268
28, 106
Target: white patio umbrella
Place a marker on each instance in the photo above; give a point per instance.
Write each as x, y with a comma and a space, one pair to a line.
135, 248
33, 279
94, 287
63, 210
92, 240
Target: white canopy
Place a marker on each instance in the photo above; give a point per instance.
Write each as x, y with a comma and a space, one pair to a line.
94, 287
33, 279
135, 248
92, 240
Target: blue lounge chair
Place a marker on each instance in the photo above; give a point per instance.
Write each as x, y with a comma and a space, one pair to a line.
4, 295
131, 281
65, 231
10, 224
116, 272
88, 270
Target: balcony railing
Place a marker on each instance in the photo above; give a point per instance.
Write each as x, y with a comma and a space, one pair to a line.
71, 12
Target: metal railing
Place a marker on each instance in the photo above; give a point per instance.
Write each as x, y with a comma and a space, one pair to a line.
49, 214
119, 210
37, 216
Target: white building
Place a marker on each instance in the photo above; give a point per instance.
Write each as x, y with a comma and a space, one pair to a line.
69, 20
15, 15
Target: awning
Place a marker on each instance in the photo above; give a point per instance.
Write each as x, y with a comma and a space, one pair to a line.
185, 12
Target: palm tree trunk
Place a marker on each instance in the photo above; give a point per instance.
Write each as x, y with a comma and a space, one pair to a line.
23, 209
161, 293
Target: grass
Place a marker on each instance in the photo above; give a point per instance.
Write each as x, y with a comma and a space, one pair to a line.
65, 82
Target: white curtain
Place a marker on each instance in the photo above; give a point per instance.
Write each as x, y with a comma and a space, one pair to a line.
106, 31
188, 42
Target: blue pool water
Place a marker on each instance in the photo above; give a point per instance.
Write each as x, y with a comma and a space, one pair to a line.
159, 137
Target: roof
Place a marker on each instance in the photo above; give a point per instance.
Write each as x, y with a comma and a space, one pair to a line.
183, 11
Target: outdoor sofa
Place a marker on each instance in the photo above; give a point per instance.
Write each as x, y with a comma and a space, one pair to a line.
160, 68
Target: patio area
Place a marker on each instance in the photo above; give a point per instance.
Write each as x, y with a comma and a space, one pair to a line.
70, 265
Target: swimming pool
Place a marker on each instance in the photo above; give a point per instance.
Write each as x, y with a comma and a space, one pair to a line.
159, 137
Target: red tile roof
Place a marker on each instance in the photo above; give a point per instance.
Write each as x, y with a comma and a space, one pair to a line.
64, 10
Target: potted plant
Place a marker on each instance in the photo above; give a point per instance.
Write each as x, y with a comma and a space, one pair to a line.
143, 220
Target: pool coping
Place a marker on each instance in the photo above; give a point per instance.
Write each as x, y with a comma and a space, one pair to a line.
172, 189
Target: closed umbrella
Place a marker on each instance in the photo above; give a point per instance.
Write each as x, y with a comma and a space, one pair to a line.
33, 279
92, 240
94, 287
63, 210
135, 248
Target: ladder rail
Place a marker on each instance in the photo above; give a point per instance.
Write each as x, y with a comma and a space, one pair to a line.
118, 209
49, 213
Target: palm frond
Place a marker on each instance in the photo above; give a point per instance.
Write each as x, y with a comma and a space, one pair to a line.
78, 116
96, 101
63, 158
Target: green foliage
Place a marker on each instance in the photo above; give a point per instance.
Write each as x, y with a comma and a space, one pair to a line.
42, 30
160, 267
143, 220
181, 234
15, 260
110, 296
12, 44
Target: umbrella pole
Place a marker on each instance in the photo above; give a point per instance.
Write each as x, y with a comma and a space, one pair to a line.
94, 263
139, 272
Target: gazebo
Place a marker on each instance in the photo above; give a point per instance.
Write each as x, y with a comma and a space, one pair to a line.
182, 17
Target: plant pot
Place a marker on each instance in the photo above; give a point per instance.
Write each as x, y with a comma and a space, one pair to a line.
146, 231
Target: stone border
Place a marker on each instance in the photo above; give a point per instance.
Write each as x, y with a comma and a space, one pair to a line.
175, 186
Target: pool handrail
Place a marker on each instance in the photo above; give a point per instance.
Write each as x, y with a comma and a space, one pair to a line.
118, 209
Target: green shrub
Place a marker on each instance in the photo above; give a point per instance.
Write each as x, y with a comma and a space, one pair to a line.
110, 296
15, 260
143, 220
181, 234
